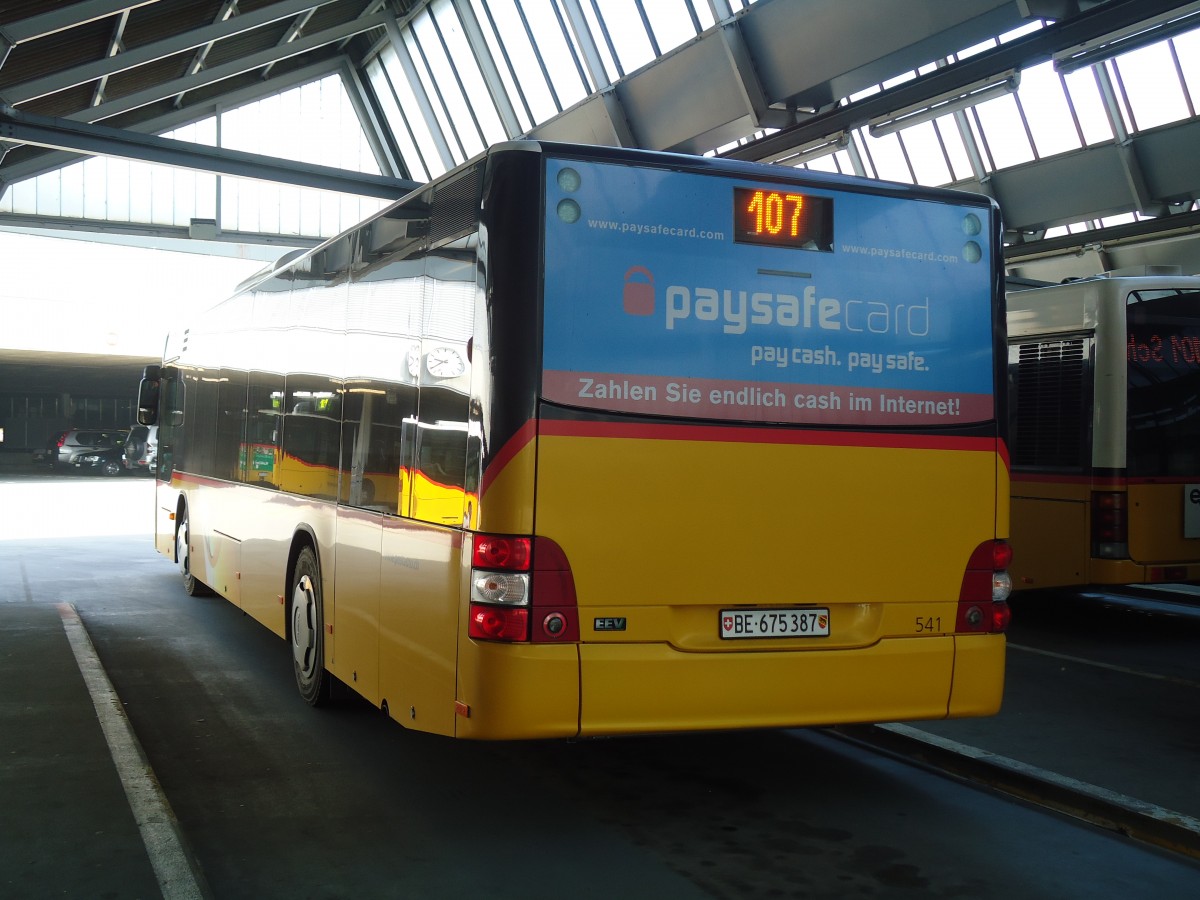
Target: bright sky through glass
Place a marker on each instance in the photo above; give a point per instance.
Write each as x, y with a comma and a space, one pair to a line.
443, 105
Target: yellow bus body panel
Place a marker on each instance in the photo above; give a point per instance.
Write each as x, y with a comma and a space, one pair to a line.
1051, 528
894, 679
421, 583
1050, 534
654, 521
518, 691
355, 636
665, 534
1156, 526
506, 504
979, 662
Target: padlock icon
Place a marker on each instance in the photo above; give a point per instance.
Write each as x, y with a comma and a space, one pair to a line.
639, 294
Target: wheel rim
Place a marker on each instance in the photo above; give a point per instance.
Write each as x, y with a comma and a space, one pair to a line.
181, 548
304, 633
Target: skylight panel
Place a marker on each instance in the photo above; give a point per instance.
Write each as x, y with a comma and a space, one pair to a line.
1150, 84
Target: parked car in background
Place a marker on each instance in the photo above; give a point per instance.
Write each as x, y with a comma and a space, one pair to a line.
78, 441
141, 449
102, 462
49, 454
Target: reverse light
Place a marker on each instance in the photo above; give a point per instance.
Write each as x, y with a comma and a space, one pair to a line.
500, 587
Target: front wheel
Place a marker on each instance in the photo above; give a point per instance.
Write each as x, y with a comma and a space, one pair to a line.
192, 585
307, 627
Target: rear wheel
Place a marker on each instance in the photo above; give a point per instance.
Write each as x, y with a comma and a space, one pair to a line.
192, 586
307, 628
111, 467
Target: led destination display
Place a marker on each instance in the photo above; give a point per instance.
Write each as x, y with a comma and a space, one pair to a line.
782, 219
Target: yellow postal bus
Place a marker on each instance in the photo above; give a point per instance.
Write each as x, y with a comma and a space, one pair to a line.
586, 441
1105, 431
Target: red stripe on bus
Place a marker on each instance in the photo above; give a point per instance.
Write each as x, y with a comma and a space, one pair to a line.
514, 445
1102, 481
760, 435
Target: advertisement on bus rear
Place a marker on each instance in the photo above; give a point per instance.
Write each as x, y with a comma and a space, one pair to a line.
721, 297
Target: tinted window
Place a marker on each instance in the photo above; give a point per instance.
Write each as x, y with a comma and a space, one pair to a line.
1163, 352
311, 430
259, 455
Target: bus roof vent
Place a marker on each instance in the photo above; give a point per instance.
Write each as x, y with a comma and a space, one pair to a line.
1049, 425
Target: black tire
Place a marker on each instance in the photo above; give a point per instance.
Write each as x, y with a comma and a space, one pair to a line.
111, 468
192, 586
306, 630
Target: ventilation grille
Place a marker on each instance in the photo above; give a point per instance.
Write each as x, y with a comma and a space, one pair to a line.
455, 206
1049, 427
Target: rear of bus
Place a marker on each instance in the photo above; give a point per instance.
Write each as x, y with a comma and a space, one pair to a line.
1106, 432
768, 476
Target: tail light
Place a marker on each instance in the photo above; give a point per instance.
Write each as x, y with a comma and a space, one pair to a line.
1110, 525
522, 591
983, 598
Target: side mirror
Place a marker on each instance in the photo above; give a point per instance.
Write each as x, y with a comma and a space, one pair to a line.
147, 403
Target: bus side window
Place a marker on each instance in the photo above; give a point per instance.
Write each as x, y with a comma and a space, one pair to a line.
258, 455
311, 433
439, 485
372, 426
202, 422
231, 403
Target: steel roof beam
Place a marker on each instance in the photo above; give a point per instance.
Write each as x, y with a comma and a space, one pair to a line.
65, 17
177, 118
148, 53
230, 70
99, 140
1021, 53
487, 67
373, 122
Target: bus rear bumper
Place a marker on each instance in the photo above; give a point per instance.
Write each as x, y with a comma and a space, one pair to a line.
1124, 571
637, 688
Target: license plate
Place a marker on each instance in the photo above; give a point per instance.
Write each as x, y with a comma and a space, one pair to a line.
772, 623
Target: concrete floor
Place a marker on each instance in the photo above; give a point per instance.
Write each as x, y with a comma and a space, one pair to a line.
265, 797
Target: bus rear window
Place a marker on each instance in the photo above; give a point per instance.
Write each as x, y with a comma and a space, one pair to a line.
704, 296
1163, 353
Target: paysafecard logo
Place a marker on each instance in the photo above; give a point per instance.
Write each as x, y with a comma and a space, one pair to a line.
638, 294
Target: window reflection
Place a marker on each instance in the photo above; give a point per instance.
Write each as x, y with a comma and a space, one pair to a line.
259, 456
312, 415
373, 447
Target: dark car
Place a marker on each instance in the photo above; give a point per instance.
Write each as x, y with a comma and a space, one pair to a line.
49, 454
102, 462
79, 441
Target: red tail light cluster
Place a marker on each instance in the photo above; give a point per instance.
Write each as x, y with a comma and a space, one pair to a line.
1110, 525
522, 591
983, 598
